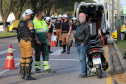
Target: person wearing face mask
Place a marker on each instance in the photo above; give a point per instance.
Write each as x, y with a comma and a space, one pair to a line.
58, 25
66, 29
49, 24
73, 31
82, 37
26, 33
41, 44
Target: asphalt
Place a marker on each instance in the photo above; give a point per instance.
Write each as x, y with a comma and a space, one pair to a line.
67, 68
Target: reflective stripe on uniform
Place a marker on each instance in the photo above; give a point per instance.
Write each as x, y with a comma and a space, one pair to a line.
40, 31
45, 62
37, 63
46, 65
46, 68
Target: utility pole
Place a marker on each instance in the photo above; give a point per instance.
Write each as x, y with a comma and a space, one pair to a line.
118, 21
112, 15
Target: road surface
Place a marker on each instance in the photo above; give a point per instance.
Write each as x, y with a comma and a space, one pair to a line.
67, 67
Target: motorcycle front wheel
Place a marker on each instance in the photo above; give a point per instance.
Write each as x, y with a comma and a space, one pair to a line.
99, 72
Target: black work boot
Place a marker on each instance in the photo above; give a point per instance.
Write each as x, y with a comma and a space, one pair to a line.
22, 70
50, 71
64, 49
49, 49
38, 71
68, 49
57, 43
71, 42
124, 56
28, 75
60, 42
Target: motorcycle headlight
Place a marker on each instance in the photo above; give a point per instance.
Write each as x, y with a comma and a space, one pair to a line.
104, 30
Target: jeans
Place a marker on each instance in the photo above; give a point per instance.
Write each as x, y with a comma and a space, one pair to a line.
81, 49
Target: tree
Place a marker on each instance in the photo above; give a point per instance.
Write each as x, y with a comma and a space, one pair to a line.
17, 7
38, 4
5, 13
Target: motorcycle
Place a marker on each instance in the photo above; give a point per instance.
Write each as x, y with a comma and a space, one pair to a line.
105, 30
96, 60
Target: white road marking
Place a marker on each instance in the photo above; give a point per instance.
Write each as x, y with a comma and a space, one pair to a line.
5, 51
57, 52
9, 43
9, 69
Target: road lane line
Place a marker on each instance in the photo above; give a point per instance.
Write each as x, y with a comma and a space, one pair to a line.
108, 76
5, 51
2, 72
57, 52
9, 43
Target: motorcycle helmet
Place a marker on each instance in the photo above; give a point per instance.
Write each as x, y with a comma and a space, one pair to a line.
105, 30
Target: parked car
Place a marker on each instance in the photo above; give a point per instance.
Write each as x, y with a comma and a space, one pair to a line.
14, 26
123, 33
1, 25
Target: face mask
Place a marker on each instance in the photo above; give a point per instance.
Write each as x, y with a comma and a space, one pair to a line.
81, 20
42, 17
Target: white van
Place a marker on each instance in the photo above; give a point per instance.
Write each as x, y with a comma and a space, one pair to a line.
94, 11
1, 26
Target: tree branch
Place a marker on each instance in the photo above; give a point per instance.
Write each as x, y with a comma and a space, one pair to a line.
1, 11
8, 10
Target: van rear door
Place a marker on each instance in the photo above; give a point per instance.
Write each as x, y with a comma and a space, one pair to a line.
76, 5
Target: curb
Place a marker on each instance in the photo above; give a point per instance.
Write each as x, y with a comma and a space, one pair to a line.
111, 66
7, 37
123, 63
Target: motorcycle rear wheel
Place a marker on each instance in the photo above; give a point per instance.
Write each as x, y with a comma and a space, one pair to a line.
99, 72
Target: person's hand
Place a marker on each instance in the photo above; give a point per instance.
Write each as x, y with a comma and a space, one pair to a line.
82, 44
38, 42
48, 42
50, 22
69, 33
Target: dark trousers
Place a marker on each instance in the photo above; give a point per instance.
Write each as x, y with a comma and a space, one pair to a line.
41, 48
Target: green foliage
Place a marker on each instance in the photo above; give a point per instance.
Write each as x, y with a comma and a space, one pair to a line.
121, 44
4, 5
50, 7
7, 34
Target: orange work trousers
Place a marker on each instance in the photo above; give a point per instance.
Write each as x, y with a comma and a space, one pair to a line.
26, 52
58, 34
65, 39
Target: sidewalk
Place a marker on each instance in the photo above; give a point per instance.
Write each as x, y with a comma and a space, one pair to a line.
7, 37
123, 62
121, 76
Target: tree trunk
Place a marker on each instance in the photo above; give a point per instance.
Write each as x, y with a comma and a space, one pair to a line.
5, 26
5, 15
17, 16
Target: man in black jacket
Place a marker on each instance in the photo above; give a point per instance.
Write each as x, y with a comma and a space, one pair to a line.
82, 37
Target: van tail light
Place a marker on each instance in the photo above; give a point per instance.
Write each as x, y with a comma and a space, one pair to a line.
94, 49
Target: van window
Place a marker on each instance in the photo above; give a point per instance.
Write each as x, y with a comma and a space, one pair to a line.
1, 23
8, 23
